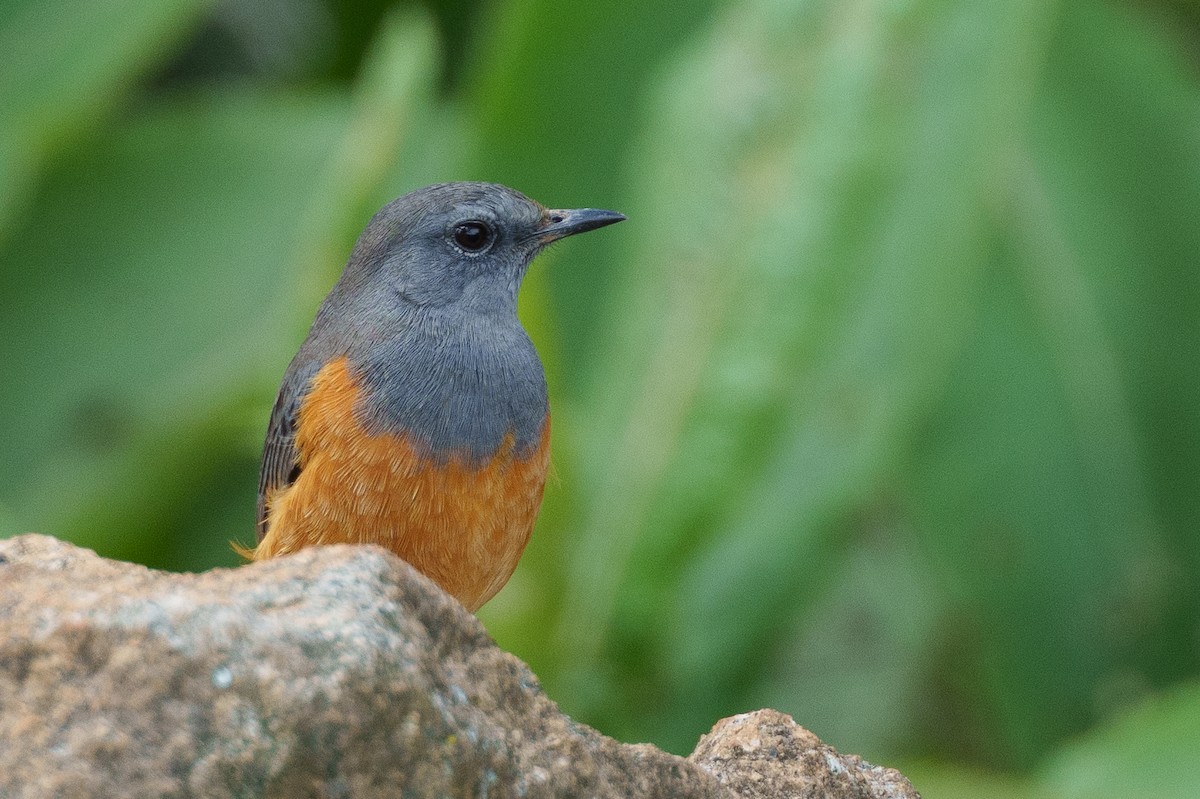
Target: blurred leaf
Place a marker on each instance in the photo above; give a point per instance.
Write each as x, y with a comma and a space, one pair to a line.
1151, 751
161, 244
392, 102
1117, 149
854, 668
1023, 526
776, 351
169, 245
1033, 482
937, 781
61, 63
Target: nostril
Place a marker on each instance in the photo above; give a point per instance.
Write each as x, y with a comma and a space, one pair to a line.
556, 218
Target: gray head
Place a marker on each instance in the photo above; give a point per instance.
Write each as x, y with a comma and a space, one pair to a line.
466, 244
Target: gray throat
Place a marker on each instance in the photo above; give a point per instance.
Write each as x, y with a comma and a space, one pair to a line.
456, 384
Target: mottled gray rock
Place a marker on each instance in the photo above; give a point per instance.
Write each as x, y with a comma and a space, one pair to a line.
766, 754
337, 672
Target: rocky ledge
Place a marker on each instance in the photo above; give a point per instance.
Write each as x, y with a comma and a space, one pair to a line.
337, 672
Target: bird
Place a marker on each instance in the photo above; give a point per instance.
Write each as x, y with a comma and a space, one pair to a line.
415, 414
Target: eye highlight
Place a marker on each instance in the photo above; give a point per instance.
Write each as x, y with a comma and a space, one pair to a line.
473, 236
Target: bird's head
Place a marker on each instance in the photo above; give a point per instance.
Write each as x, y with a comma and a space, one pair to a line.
465, 244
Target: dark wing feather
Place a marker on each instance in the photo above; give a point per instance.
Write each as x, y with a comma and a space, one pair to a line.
281, 459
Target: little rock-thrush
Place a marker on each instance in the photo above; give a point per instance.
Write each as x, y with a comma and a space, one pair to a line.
415, 414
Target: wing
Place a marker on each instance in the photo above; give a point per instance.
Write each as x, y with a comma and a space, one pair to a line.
281, 459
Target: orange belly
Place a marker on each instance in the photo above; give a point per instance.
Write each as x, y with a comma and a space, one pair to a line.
465, 527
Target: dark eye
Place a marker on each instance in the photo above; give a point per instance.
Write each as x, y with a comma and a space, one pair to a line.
473, 236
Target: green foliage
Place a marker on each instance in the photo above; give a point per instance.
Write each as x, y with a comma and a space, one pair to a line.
62, 62
880, 410
1148, 751
1151, 751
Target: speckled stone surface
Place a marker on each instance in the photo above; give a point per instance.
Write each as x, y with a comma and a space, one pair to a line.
767, 754
336, 672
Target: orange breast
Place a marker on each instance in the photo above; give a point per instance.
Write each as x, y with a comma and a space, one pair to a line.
464, 527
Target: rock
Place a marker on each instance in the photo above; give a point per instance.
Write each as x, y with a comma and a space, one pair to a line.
336, 672
767, 754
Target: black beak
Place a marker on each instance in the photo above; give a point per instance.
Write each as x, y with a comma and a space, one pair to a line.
558, 224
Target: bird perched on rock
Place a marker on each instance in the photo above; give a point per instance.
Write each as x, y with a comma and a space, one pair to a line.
415, 414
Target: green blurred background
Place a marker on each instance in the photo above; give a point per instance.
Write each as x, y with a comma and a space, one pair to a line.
883, 409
